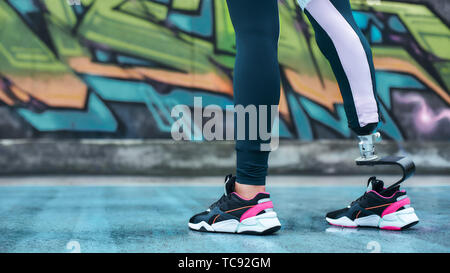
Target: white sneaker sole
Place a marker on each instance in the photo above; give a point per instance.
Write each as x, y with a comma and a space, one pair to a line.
262, 224
398, 220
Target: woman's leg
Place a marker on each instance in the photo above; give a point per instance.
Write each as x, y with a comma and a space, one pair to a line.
256, 80
245, 207
350, 56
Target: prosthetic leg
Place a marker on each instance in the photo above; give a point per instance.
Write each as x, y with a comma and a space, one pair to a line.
348, 51
385, 208
369, 158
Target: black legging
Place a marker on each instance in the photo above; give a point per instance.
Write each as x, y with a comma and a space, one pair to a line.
257, 75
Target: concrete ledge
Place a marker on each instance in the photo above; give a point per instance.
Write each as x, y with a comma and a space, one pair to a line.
170, 158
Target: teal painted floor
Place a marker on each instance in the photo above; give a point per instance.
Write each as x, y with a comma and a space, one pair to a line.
153, 218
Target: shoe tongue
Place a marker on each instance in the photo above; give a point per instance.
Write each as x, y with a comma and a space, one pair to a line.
374, 184
229, 184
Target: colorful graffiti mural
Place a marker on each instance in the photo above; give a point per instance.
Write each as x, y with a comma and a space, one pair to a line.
115, 68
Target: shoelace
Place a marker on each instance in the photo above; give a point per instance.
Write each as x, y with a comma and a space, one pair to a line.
364, 196
222, 200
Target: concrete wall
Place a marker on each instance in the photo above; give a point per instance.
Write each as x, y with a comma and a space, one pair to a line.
114, 69
169, 158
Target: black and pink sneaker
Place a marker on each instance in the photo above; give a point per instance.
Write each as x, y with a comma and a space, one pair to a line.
379, 207
234, 214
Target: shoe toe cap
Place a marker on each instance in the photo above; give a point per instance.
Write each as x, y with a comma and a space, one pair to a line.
337, 213
197, 218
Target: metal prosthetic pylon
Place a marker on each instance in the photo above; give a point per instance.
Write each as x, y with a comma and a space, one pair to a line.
368, 157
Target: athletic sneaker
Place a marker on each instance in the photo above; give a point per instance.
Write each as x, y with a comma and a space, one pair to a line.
233, 213
379, 207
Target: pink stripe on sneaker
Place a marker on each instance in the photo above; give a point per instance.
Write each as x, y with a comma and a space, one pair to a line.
248, 199
395, 206
385, 197
342, 225
391, 228
256, 209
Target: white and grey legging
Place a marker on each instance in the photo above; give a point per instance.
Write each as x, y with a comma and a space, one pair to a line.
257, 76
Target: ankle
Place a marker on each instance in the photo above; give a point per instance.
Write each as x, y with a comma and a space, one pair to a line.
248, 191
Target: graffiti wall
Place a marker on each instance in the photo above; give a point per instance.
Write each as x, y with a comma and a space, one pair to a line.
115, 68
